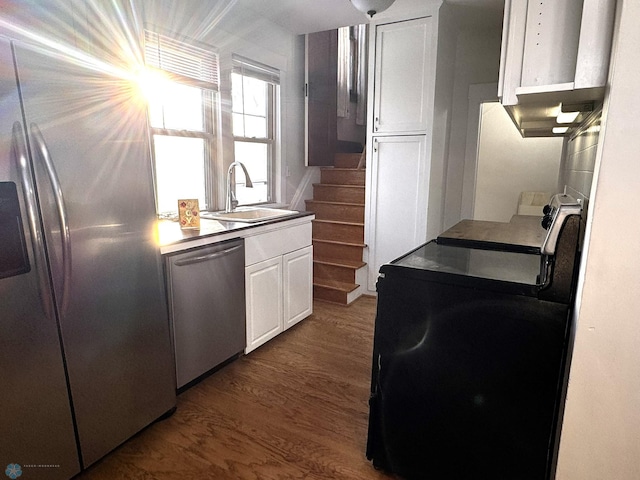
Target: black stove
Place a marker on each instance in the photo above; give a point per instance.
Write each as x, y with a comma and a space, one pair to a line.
469, 351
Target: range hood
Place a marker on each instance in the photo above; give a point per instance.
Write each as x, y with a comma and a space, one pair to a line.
554, 59
539, 111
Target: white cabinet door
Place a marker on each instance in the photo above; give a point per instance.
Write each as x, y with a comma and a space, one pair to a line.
263, 282
550, 24
298, 285
533, 69
399, 189
404, 61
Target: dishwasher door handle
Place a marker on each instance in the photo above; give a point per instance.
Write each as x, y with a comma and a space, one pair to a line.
207, 257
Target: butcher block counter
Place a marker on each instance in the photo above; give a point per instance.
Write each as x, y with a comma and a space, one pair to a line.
523, 233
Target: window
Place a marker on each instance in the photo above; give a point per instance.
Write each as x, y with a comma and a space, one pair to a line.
254, 105
182, 97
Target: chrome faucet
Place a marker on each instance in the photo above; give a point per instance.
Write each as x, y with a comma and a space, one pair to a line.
232, 201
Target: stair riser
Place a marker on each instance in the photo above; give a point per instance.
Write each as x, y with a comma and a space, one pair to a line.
347, 160
329, 295
340, 213
329, 251
338, 232
342, 177
338, 194
323, 271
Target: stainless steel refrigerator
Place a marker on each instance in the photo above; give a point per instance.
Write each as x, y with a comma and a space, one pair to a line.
85, 350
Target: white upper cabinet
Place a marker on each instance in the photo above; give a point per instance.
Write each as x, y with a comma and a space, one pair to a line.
553, 52
550, 42
551, 39
403, 76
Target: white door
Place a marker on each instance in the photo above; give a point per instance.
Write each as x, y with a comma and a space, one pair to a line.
263, 282
400, 190
298, 288
403, 76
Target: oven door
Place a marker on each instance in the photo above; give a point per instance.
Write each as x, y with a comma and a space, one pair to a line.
465, 375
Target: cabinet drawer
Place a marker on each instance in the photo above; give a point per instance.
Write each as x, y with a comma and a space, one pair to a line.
278, 242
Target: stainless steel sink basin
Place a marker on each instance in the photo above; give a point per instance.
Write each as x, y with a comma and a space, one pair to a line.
248, 214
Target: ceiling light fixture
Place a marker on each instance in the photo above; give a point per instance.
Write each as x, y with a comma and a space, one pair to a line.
371, 7
560, 130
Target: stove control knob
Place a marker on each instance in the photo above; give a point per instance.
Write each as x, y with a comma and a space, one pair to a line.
546, 221
546, 209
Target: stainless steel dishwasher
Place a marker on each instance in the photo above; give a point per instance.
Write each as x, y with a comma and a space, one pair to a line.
207, 307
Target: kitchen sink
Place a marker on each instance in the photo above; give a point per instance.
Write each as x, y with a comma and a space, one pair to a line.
248, 214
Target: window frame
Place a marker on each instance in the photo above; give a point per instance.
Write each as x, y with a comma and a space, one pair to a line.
209, 84
271, 76
209, 137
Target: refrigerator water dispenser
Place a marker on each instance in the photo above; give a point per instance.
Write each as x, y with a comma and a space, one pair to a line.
14, 259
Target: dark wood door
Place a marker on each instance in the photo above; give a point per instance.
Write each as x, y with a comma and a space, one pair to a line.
322, 98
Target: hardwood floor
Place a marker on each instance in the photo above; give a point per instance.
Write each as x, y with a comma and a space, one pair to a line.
295, 408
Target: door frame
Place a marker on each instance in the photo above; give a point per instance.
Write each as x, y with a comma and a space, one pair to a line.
479, 93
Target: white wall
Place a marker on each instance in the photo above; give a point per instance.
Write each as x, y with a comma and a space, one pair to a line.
509, 164
442, 115
477, 59
601, 428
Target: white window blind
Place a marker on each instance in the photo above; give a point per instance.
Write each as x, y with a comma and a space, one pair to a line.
196, 65
251, 68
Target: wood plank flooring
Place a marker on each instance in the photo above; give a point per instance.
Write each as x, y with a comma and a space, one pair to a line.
295, 408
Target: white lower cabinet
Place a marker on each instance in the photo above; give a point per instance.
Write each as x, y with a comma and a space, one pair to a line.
397, 198
264, 305
279, 288
297, 270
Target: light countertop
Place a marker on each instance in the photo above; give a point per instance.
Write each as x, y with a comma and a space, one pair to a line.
522, 232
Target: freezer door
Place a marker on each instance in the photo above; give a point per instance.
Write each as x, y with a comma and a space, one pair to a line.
36, 427
91, 159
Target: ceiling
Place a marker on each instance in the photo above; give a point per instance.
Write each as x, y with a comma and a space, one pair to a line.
307, 16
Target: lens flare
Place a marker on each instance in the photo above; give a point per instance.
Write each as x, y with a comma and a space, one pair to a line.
152, 84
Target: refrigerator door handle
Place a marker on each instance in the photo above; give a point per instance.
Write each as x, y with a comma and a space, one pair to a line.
21, 161
42, 152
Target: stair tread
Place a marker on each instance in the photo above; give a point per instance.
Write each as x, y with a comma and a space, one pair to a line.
337, 242
348, 169
333, 285
334, 185
341, 204
340, 222
347, 159
340, 263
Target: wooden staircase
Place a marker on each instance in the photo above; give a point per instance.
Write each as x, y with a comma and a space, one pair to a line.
338, 230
